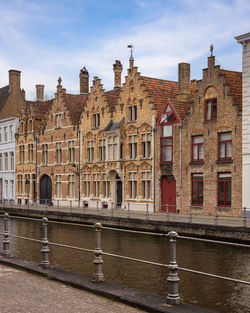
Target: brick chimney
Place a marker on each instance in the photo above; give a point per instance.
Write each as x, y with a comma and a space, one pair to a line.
184, 81
84, 80
117, 67
40, 92
14, 80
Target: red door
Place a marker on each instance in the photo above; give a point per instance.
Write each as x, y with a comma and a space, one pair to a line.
168, 193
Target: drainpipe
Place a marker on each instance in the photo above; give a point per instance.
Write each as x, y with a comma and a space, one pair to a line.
180, 178
154, 130
79, 172
36, 172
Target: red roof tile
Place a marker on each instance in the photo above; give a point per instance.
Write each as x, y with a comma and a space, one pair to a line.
75, 105
234, 80
40, 108
112, 97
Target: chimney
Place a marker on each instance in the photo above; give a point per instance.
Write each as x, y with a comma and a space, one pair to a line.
14, 80
84, 80
23, 93
131, 62
184, 77
117, 67
40, 92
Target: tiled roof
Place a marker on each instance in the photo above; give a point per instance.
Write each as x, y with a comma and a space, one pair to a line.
41, 108
75, 105
4, 92
234, 80
112, 97
162, 90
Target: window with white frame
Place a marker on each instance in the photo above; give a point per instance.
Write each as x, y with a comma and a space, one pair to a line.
197, 148
21, 153
5, 133
1, 161
58, 120
19, 184
146, 186
71, 151
90, 150
12, 189
133, 146
132, 177
132, 110
225, 146
6, 161
45, 153
106, 186
96, 120
58, 152
0, 134
112, 148
6, 189
146, 145
11, 132
96, 184
102, 149
86, 184
71, 186
59, 186
12, 161
166, 143
30, 152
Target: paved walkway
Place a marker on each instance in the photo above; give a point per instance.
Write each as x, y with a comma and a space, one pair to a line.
22, 292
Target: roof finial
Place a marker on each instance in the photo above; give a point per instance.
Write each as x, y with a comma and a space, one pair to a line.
59, 80
131, 59
211, 49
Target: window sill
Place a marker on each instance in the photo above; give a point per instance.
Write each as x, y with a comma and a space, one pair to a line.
196, 163
93, 128
224, 161
131, 122
210, 121
224, 207
197, 206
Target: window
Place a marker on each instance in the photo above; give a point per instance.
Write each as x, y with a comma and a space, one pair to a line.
58, 120
133, 146
132, 185
90, 150
86, 180
106, 186
22, 127
112, 148
132, 113
30, 152
58, 152
224, 189
6, 161
0, 134
12, 189
19, 184
12, 161
1, 161
197, 148
211, 109
27, 186
71, 151
146, 185
30, 125
146, 145
71, 187
6, 189
166, 144
45, 154
102, 149
96, 184
5, 134
225, 146
21, 154
59, 186
197, 189
11, 132
96, 120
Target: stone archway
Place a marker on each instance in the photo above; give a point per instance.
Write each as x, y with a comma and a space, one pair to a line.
116, 188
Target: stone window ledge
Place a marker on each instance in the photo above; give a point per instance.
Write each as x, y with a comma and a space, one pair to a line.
224, 161
196, 163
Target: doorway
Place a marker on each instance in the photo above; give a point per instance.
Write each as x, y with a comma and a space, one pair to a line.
45, 189
168, 193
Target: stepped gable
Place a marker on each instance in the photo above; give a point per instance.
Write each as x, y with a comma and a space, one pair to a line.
4, 93
234, 80
41, 108
161, 91
75, 104
112, 97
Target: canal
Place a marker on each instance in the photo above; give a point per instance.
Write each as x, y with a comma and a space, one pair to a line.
219, 295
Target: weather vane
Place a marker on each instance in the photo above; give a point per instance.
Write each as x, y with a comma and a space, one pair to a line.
211, 50
131, 48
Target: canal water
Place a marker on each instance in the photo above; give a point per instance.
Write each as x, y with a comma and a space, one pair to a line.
219, 295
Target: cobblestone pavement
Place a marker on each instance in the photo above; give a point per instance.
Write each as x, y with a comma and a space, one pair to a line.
22, 292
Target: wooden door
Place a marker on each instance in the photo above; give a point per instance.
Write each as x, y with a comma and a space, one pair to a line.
119, 193
168, 193
45, 189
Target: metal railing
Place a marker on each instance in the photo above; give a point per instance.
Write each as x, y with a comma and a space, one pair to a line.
193, 215
98, 276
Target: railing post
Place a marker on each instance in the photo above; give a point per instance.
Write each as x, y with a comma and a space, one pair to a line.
45, 244
46, 204
147, 212
173, 278
190, 214
216, 216
98, 274
112, 209
97, 207
58, 207
83, 207
70, 206
6, 241
167, 213
244, 217
128, 210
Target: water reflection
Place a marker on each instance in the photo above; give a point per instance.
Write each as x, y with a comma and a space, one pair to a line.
216, 294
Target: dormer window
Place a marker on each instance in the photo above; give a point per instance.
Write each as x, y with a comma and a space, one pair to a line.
211, 109
59, 120
132, 113
96, 120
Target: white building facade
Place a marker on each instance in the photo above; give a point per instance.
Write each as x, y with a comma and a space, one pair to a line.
8, 128
244, 40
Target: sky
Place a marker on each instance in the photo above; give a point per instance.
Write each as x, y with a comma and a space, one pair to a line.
46, 39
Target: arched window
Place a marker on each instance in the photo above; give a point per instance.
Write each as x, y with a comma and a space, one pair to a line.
211, 104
